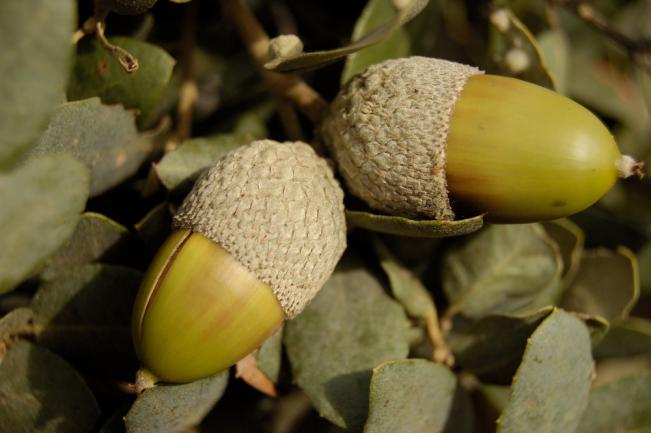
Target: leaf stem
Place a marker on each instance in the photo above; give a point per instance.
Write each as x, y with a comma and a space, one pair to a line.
125, 58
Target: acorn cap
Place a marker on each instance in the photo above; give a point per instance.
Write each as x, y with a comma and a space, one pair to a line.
388, 130
277, 209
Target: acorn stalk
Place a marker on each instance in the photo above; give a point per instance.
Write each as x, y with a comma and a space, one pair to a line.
421, 137
254, 241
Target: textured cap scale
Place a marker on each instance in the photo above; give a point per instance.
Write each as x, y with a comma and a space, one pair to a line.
278, 210
388, 129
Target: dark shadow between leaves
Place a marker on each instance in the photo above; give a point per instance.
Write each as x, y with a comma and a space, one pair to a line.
86, 319
348, 395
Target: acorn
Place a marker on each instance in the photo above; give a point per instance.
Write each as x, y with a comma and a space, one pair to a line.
131, 7
253, 242
420, 137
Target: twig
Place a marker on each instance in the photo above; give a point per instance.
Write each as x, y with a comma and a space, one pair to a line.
290, 87
638, 49
125, 58
441, 351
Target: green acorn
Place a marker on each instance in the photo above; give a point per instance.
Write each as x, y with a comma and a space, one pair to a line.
418, 137
254, 241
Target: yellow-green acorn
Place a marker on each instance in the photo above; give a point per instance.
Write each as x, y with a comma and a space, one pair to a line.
254, 241
419, 136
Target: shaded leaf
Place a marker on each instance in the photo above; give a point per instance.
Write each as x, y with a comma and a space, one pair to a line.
553, 46
175, 408
644, 261
85, 316
622, 406
415, 298
34, 67
401, 226
41, 203
270, 356
96, 73
492, 347
154, 227
570, 239
183, 165
395, 46
41, 393
602, 85
515, 50
557, 360
103, 137
607, 284
115, 424
404, 10
629, 337
502, 269
349, 328
96, 238
410, 395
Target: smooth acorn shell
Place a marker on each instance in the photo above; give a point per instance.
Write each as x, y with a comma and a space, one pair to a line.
521, 153
199, 311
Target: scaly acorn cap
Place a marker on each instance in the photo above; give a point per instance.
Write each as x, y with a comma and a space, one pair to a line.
388, 131
278, 210
255, 240
412, 136
131, 7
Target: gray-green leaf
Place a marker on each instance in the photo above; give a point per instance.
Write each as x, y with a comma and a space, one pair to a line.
96, 238
550, 389
630, 337
96, 73
184, 165
41, 393
607, 284
41, 203
34, 66
621, 406
410, 395
175, 408
502, 269
396, 45
349, 328
492, 347
404, 10
401, 226
103, 137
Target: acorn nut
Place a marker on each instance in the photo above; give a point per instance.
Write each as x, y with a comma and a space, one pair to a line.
253, 242
418, 136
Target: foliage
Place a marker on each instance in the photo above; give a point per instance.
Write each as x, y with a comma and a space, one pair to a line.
429, 326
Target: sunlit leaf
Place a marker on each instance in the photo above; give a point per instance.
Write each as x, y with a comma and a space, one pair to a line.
550, 388
34, 66
410, 395
41, 203
103, 137
175, 408
502, 269
351, 327
96, 73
